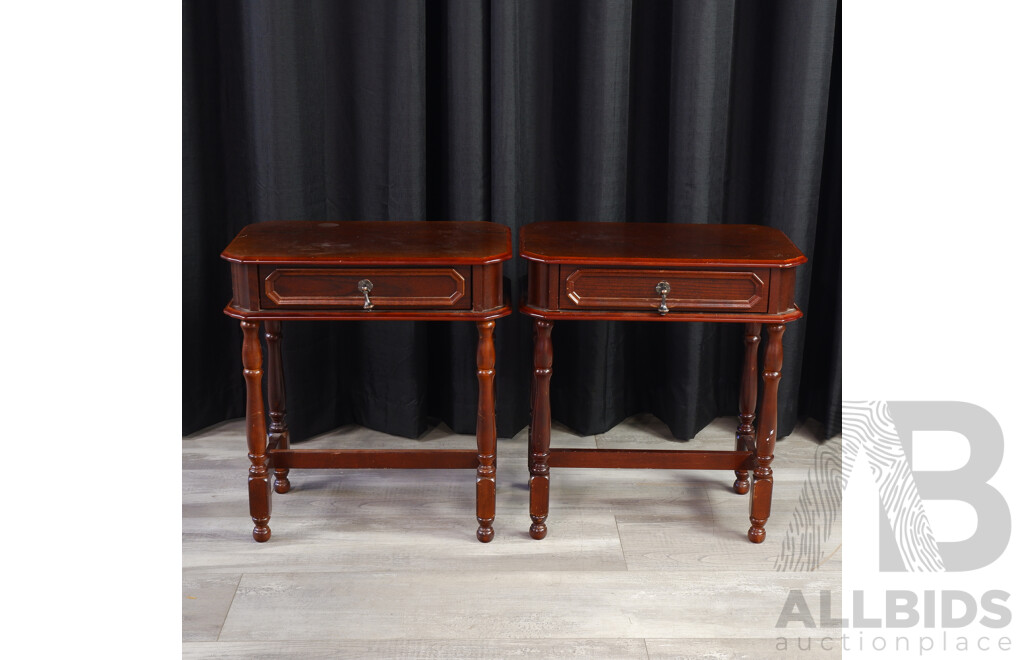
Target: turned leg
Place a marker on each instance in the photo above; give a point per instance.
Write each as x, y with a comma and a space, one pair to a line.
748, 399
761, 497
275, 395
486, 432
256, 431
540, 427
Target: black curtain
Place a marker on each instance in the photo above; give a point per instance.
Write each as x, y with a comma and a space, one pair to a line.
513, 112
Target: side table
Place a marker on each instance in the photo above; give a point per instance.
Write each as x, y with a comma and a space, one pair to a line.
362, 271
633, 271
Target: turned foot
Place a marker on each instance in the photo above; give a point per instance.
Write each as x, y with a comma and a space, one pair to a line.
538, 530
742, 483
282, 485
756, 533
261, 533
485, 533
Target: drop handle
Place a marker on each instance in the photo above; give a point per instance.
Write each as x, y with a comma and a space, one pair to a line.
366, 286
663, 288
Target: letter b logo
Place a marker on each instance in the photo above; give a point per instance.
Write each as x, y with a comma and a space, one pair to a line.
883, 431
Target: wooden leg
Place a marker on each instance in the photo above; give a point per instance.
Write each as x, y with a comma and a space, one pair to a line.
540, 427
761, 497
256, 431
276, 399
748, 399
486, 432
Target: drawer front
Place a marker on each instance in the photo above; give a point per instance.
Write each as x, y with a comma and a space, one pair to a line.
689, 290
390, 288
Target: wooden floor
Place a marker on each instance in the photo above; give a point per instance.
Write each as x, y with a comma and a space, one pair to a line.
374, 563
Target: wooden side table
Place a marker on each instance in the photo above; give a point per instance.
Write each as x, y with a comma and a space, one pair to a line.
662, 272
362, 271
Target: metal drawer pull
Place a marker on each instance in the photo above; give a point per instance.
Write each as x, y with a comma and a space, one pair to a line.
366, 286
663, 288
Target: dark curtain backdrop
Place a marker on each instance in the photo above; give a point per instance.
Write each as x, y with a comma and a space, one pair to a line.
511, 112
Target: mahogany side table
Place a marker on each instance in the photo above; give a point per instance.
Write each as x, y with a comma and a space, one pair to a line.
633, 271
363, 271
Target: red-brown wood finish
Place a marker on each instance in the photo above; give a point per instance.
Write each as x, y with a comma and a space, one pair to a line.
420, 271
486, 433
690, 289
609, 271
376, 243
278, 429
748, 401
393, 288
651, 459
376, 459
657, 244
540, 427
666, 273
487, 287
761, 499
315, 271
256, 431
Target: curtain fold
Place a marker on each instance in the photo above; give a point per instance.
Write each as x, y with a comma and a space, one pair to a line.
510, 112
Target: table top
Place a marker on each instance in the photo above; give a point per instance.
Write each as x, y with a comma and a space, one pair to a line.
657, 244
378, 242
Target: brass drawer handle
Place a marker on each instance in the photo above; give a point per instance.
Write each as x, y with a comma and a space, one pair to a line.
366, 286
663, 288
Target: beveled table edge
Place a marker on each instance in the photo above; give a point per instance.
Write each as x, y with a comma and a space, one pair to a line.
421, 261
649, 262
367, 315
611, 315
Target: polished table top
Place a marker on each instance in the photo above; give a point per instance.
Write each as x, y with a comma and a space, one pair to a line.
657, 244
374, 242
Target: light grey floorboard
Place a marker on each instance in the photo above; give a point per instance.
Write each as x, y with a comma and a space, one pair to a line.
507, 605
457, 649
363, 541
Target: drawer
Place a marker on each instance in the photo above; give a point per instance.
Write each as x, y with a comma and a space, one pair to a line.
296, 287
690, 290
